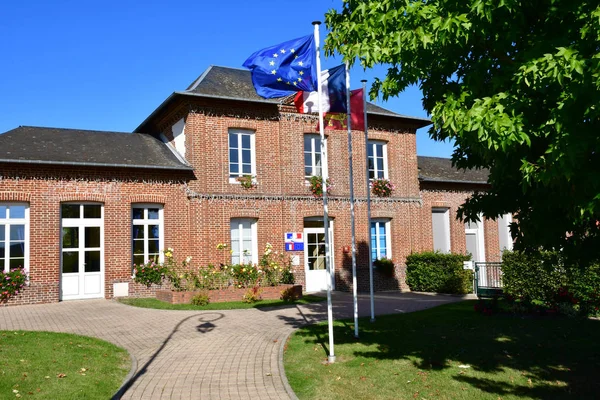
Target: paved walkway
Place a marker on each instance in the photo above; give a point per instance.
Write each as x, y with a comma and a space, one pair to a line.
231, 354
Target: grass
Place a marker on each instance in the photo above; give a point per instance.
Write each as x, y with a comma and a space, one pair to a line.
230, 305
448, 352
48, 365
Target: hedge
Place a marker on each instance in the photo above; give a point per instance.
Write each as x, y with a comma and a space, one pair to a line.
544, 280
532, 277
439, 273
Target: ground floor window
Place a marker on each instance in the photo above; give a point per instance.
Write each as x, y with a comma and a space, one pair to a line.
244, 248
14, 236
147, 233
380, 239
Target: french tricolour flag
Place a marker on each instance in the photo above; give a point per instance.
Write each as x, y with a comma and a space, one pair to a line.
333, 93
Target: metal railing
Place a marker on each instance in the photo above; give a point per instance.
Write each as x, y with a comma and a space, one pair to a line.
488, 279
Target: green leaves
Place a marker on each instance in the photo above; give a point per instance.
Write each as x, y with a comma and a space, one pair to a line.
515, 84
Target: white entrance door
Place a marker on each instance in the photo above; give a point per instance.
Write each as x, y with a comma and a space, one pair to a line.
82, 251
314, 258
476, 246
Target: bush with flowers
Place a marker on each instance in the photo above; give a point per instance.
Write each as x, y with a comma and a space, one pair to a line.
252, 295
316, 186
273, 268
247, 181
382, 187
11, 283
149, 273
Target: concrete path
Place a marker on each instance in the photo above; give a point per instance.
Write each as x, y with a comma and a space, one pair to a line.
231, 354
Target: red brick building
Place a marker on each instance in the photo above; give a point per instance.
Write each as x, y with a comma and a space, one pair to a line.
78, 208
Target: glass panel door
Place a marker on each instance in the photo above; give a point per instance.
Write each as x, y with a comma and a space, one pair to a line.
314, 256
82, 251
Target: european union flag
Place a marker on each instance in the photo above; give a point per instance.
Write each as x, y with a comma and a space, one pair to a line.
284, 69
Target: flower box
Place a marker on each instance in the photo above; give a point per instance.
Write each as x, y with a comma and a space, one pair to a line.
223, 295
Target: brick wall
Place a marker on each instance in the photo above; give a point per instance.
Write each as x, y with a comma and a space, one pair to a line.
451, 196
229, 294
44, 188
198, 208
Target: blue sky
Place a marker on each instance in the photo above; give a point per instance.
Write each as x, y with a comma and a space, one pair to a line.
106, 65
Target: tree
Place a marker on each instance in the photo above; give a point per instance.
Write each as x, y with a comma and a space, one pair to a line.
516, 84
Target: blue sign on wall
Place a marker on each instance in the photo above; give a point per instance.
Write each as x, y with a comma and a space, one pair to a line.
294, 247
294, 241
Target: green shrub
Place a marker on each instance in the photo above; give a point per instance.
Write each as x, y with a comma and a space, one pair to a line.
252, 295
543, 282
439, 273
529, 277
287, 277
150, 273
385, 266
289, 294
201, 299
11, 283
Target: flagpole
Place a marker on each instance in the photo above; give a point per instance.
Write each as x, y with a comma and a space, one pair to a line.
364, 82
324, 175
352, 223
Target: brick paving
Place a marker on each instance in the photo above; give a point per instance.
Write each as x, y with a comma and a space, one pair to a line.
231, 354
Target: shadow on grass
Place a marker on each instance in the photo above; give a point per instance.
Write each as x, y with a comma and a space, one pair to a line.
560, 357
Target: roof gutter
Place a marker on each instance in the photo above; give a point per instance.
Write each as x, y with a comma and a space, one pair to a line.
452, 181
212, 96
423, 121
159, 108
94, 164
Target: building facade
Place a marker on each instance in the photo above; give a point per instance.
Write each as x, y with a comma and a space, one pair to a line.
79, 208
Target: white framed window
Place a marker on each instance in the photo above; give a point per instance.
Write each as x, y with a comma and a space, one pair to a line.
505, 239
440, 224
244, 242
147, 233
14, 236
377, 158
312, 155
381, 243
475, 240
242, 157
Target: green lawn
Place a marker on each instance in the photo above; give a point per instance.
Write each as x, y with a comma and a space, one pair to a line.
48, 365
449, 352
231, 305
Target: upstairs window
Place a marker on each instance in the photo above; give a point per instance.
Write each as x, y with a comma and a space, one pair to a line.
242, 158
312, 156
14, 241
377, 158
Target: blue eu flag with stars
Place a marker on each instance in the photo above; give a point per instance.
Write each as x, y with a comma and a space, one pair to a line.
284, 69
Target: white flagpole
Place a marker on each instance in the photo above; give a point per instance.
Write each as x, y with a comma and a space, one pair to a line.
352, 224
324, 175
364, 82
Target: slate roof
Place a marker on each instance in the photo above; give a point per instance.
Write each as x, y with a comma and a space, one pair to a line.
436, 169
235, 83
39, 145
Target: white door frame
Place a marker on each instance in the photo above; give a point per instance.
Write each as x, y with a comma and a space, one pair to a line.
478, 232
321, 274
82, 223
